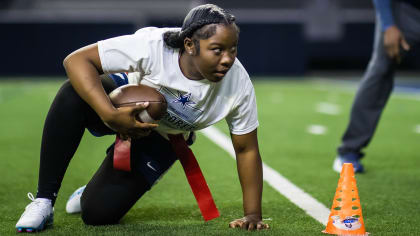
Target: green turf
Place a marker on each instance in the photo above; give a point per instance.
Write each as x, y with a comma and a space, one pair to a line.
389, 190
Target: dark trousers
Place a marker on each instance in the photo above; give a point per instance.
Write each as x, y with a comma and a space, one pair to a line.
110, 193
377, 82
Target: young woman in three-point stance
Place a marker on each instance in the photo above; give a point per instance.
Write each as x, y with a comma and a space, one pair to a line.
196, 69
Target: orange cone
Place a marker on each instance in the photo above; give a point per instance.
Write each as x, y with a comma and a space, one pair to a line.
346, 212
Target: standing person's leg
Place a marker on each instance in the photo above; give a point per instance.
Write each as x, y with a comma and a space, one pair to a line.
111, 193
370, 100
375, 88
64, 126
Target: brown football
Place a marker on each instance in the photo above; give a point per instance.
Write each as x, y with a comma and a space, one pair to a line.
130, 95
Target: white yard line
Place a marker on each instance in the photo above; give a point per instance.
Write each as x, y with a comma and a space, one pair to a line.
417, 129
327, 108
296, 195
316, 129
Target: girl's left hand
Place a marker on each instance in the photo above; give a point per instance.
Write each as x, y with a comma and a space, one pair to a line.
249, 222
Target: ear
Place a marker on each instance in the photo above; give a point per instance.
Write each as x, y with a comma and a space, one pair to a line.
189, 46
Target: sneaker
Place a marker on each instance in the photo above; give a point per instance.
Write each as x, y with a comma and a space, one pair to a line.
73, 204
37, 216
348, 158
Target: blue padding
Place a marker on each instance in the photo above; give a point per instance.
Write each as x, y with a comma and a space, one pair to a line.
119, 79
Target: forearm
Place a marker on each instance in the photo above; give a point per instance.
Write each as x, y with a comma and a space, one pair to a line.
83, 74
384, 10
251, 177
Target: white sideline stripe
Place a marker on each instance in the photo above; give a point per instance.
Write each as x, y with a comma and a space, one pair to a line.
296, 195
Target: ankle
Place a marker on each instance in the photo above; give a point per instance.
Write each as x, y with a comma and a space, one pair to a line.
44, 200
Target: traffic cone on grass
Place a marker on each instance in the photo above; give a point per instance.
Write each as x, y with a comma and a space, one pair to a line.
346, 212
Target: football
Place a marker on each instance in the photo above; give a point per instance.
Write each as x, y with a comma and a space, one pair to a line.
131, 95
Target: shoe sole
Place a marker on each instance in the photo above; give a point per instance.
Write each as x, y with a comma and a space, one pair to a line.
337, 166
75, 197
47, 222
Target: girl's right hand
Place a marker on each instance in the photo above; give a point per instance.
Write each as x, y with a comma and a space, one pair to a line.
124, 122
250, 222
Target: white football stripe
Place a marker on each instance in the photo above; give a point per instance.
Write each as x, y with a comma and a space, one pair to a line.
296, 195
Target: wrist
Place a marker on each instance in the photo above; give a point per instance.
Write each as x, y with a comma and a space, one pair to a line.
107, 115
253, 217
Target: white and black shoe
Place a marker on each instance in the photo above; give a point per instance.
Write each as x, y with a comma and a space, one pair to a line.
73, 204
37, 216
348, 158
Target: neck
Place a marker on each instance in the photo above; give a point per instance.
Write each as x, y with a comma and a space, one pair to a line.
188, 68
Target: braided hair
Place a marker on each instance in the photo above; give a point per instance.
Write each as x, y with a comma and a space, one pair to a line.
193, 25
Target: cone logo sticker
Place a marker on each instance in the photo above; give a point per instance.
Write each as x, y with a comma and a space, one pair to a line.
350, 223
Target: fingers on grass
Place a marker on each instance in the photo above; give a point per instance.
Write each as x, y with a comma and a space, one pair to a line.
251, 226
235, 224
244, 225
261, 226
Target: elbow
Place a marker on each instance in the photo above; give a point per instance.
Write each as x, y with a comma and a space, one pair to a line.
72, 58
82, 59
66, 61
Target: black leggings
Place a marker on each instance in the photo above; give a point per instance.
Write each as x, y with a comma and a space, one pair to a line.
64, 126
110, 193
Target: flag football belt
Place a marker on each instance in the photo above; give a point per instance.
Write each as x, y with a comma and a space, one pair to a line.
190, 165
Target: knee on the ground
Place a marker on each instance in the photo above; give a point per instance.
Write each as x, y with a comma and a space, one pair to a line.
95, 215
98, 210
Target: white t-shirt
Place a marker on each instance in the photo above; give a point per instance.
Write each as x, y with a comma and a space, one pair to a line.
192, 104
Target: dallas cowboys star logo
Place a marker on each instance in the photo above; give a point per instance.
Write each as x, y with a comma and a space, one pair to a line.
183, 99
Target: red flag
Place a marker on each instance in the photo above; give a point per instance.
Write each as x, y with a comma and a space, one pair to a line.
192, 170
195, 177
122, 154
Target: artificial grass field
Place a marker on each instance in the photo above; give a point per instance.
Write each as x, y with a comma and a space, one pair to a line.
389, 190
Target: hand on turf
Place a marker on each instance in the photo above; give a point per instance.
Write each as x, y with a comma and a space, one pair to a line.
249, 222
124, 122
393, 41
